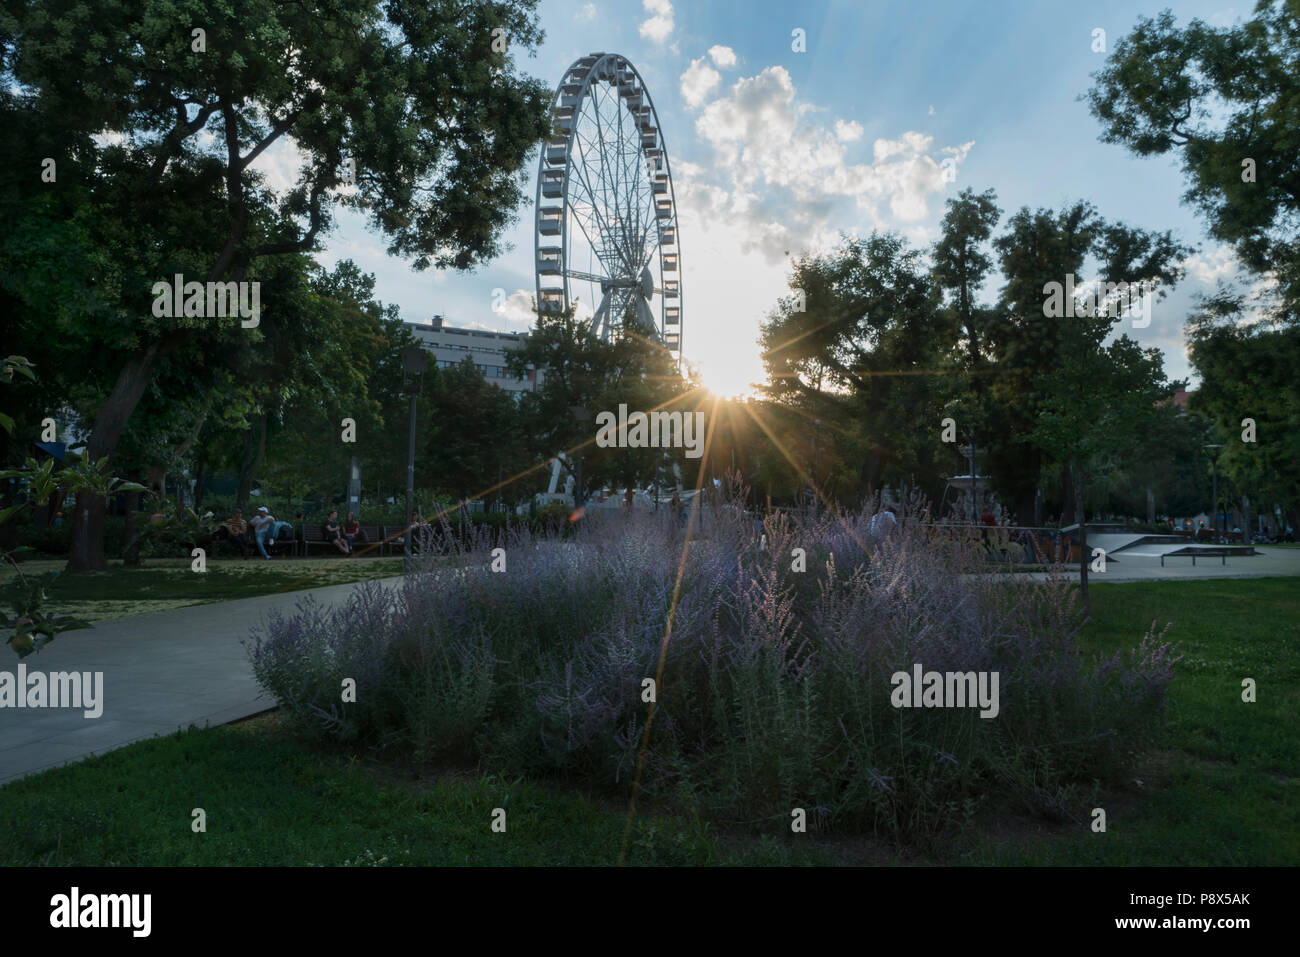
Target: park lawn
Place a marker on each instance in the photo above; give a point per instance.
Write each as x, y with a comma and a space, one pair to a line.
270, 801
161, 584
1223, 790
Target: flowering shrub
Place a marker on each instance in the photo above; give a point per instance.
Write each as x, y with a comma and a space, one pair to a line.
775, 690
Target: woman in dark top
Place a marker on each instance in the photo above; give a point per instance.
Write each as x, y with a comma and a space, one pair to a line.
351, 528
333, 534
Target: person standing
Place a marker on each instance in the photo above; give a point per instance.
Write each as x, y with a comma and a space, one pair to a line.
883, 522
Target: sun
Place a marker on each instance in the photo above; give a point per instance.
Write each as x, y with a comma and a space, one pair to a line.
724, 378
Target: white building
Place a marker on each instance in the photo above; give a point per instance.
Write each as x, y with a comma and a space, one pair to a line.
450, 347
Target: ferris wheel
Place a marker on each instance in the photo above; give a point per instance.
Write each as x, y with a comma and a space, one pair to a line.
606, 217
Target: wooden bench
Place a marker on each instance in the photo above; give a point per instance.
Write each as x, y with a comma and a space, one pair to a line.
369, 535
314, 534
1222, 553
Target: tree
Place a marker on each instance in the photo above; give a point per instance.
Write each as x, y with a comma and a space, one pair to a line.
857, 352
583, 372
349, 369
1038, 249
407, 102
475, 433
1097, 403
1248, 371
1224, 100
961, 264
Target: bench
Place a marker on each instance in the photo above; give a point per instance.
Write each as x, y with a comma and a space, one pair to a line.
396, 535
1222, 553
369, 540
314, 534
367, 536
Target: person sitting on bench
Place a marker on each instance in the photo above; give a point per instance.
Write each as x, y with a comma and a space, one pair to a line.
264, 524
351, 531
333, 533
235, 531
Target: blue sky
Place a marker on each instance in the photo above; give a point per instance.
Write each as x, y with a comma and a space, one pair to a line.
775, 150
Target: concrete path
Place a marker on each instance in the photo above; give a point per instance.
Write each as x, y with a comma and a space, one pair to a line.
1143, 564
161, 671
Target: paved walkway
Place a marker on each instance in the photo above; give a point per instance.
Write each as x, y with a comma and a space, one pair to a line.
1143, 564
162, 671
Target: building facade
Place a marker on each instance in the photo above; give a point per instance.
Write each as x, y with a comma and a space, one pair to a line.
450, 346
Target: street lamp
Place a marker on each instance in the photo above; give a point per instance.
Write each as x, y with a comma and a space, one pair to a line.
817, 429
414, 363
1214, 451
974, 483
580, 415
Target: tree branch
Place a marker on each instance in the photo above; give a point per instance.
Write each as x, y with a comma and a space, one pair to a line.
305, 243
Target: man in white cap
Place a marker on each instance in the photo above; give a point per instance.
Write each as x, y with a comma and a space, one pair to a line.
262, 524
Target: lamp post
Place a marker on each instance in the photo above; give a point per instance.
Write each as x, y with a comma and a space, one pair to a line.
974, 484
580, 416
414, 362
1214, 451
817, 461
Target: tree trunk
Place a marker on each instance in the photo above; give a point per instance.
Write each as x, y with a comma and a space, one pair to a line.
156, 481
251, 461
1079, 517
200, 476
8, 530
86, 553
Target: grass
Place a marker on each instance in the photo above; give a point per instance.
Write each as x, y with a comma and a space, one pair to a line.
269, 801
1224, 790
170, 583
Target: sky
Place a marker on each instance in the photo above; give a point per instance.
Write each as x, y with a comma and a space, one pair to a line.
777, 152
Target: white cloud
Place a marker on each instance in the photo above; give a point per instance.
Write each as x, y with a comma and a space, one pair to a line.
660, 25
848, 132
698, 82
1209, 268
517, 309
724, 58
281, 163
910, 143
789, 169
932, 111
587, 12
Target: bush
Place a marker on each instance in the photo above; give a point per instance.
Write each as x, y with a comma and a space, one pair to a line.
775, 689
55, 542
